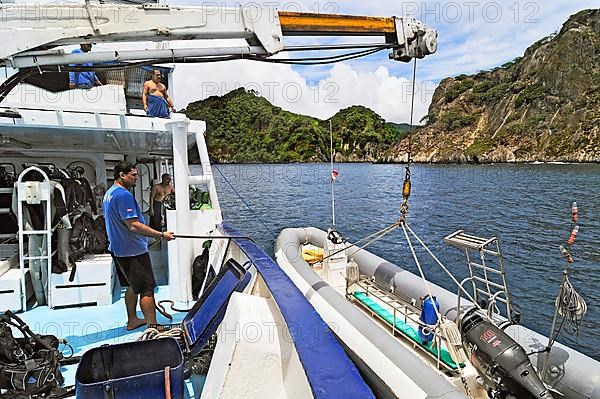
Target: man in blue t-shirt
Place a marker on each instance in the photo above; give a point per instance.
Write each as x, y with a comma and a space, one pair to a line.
83, 80
126, 234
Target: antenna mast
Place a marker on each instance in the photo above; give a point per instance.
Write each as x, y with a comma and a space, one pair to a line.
333, 176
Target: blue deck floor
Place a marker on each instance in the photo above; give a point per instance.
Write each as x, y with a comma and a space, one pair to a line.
91, 326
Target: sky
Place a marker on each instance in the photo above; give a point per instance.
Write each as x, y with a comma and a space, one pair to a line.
473, 36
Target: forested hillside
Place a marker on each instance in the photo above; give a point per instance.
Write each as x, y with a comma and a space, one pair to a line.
244, 127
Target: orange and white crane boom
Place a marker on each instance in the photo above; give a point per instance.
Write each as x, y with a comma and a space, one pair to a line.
32, 34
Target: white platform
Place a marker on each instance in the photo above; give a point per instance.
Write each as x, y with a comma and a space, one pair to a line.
255, 357
93, 283
10, 290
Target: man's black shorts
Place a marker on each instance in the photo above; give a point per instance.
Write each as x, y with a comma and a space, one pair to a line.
136, 272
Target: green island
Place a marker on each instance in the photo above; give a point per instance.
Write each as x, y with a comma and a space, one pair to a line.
543, 106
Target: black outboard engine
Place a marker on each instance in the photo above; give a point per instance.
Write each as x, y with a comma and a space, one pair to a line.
499, 360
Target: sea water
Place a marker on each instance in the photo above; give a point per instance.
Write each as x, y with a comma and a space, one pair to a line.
528, 206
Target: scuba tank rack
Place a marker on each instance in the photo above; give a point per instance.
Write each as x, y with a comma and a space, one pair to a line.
34, 193
402, 316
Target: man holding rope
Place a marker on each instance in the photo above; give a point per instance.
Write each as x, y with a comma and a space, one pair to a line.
126, 233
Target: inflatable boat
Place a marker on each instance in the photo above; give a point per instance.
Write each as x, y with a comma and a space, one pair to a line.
379, 312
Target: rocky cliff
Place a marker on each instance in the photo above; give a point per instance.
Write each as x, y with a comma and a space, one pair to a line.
544, 106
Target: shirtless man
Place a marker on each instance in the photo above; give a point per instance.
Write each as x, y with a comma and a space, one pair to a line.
155, 98
158, 194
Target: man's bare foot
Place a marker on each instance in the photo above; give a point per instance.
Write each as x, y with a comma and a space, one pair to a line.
137, 323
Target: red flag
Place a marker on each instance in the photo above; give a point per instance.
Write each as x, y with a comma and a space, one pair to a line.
334, 174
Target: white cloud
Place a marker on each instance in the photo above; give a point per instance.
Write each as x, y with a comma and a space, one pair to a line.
483, 35
473, 36
284, 86
491, 32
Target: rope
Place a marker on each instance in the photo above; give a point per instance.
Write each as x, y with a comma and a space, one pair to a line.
452, 334
406, 185
244, 201
450, 331
412, 250
153, 333
159, 305
444, 331
412, 108
444, 268
393, 225
352, 272
571, 306
379, 235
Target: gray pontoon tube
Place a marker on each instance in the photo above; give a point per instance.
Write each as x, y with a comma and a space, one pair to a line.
432, 383
574, 374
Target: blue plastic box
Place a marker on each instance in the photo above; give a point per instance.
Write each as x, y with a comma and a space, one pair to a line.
131, 370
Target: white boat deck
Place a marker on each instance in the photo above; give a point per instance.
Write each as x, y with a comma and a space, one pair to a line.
93, 120
88, 327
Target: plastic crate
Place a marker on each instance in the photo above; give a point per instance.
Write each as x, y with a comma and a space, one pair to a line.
131, 371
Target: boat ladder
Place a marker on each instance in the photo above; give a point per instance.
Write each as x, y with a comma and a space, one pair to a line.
487, 274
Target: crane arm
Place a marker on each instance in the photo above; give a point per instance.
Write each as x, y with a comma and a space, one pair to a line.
30, 33
410, 38
297, 23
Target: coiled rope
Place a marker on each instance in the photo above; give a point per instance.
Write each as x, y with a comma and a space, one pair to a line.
571, 306
153, 333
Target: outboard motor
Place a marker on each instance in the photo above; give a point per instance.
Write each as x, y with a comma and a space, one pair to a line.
499, 360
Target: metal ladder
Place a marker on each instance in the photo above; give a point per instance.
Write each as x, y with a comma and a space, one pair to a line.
488, 277
44, 197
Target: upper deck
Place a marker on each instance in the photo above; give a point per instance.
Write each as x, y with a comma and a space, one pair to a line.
94, 120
